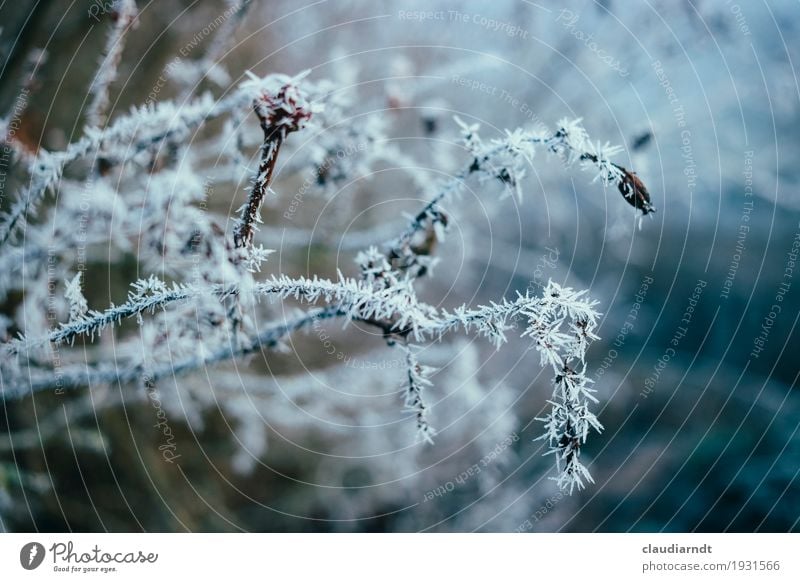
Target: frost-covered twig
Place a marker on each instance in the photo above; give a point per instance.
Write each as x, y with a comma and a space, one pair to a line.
570, 419
147, 296
506, 159
414, 400
144, 127
124, 14
490, 321
78, 376
279, 114
562, 323
572, 143
395, 308
77, 302
396, 305
568, 425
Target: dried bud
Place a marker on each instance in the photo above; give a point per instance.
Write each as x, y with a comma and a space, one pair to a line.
634, 191
286, 111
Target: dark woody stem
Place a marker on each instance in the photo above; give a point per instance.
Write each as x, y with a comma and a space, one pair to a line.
245, 230
279, 115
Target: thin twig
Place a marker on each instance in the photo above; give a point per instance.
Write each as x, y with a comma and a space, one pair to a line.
124, 16
279, 115
71, 378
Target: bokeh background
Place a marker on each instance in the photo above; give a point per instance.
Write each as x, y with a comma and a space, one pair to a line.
701, 427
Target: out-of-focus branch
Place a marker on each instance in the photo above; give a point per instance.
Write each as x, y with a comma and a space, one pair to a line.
78, 376
124, 15
143, 128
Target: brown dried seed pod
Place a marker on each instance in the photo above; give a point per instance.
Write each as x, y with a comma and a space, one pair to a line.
634, 191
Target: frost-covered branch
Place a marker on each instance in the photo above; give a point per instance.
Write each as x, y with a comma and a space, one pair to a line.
571, 143
414, 391
507, 159
124, 14
70, 377
208, 313
77, 302
396, 305
562, 328
147, 296
568, 425
144, 127
561, 322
